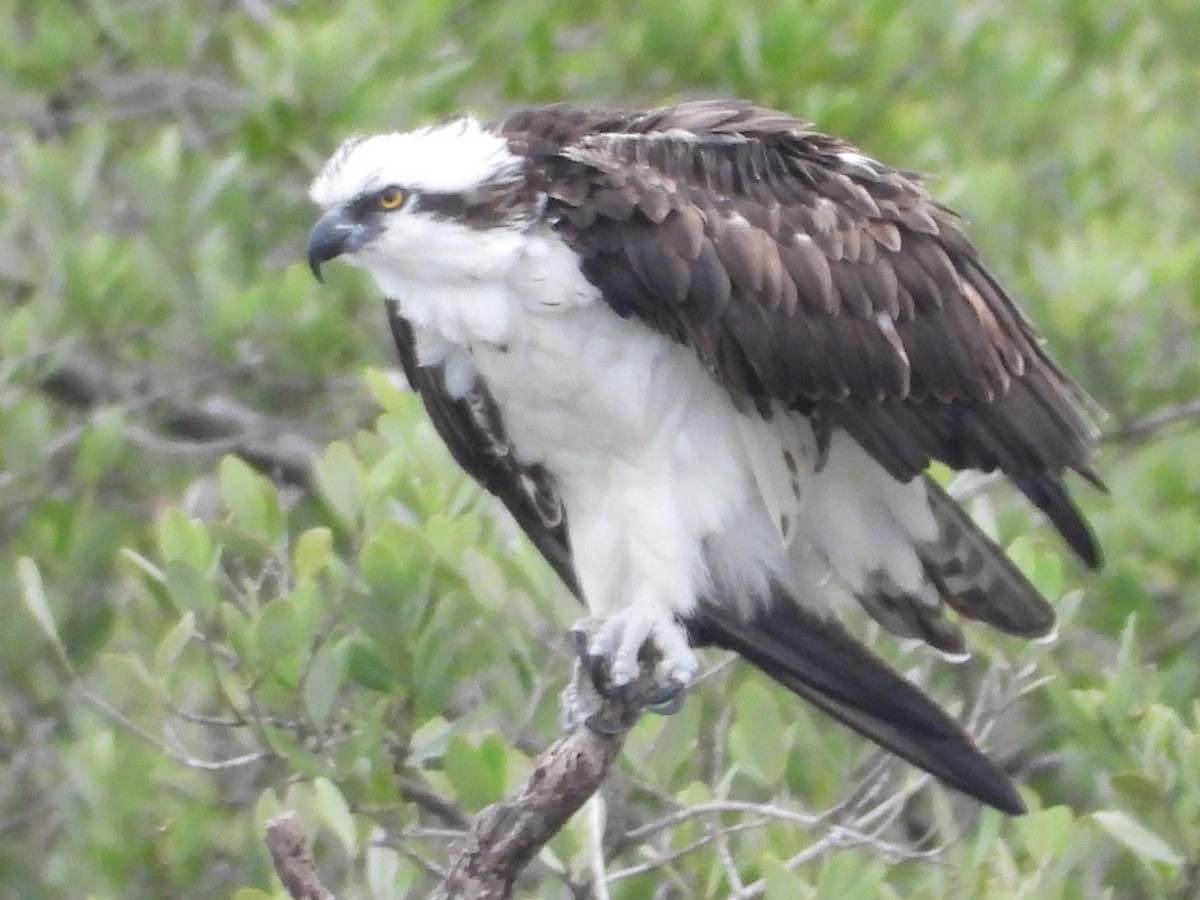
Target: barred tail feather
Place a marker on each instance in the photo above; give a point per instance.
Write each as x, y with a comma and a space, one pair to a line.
976, 578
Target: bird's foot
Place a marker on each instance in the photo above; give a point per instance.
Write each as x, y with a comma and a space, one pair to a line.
628, 664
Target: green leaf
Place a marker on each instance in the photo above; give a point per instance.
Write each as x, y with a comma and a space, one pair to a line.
390, 571
173, 642
340, 480
485, 579
429, 740
385, 869
310, 607
390, 474
758, 715
248, 893
312, 553
276, 628
324, 680
240, 493
287, 745
785, 885
267, 808
150, 575
101, 446
190, 589
475, 773
1125, 680
33, 593
494, 751
850, 873
1137, 837
168, 154
665, 747
387, 391
365, 666
333, 810
127, 669
183, 539
1137, 787
239, 633
1047, 832
144, 566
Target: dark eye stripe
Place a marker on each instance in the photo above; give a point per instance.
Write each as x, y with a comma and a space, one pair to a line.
481, 208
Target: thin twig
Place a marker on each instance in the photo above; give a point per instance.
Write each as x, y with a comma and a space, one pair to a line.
432, 802
205, 428
398, 844
659, 861
191, 762
419, 832
596, 847
725, 854
717, 763
837, 838
1148, 425
808, 854
647, 831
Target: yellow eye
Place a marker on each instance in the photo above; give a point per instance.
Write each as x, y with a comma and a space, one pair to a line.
390, 198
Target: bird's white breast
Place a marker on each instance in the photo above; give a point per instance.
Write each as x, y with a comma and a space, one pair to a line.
643, 443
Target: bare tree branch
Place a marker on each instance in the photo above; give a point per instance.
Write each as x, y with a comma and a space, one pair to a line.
712, 837
504, 837
596, 817
432, 802
171, 749
1149, 425
205, 428
293, 860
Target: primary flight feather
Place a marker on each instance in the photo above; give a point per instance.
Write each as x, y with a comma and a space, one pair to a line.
704, 355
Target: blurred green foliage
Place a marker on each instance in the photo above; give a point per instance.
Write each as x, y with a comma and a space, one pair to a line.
190, 644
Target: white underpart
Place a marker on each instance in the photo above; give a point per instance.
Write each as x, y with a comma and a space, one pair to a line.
671, 493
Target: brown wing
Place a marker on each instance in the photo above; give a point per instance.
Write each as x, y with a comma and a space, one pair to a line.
803, 272
474, 433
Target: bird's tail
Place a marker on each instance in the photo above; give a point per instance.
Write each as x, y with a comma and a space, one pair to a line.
976, 578
816, 658
966, 572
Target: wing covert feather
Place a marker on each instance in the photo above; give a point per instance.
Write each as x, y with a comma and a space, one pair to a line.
803, 272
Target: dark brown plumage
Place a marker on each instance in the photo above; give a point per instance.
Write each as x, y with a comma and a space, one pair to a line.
879, 318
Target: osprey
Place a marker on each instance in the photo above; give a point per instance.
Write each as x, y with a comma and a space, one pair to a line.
704, 355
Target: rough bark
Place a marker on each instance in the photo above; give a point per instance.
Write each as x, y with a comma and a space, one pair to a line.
293, 859
504, 837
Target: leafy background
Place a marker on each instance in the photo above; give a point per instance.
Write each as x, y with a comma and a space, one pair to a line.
200, 628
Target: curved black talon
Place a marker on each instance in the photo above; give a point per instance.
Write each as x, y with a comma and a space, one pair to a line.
618, 725
666, 699
633, 698
580, 637
597, 670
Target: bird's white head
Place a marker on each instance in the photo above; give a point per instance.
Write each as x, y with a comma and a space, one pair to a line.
441, 201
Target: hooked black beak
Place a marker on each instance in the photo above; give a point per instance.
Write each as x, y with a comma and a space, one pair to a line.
334, 234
